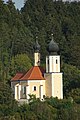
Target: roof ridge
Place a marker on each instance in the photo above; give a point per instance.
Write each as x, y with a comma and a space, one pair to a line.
26, 73
39, 72
35, 73
31, 72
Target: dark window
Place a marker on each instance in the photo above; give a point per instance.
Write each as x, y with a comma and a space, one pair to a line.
24, 89
48, 65
48, 61
43, 96
56, 61
34, 88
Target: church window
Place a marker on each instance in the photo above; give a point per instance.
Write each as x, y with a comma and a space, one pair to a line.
43, 96
34, 88
48, 61
56, 61
24, 89
47, 64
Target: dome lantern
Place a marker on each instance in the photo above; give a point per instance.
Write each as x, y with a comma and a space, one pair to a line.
36, 46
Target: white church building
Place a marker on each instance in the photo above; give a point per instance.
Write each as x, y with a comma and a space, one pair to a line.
37, 81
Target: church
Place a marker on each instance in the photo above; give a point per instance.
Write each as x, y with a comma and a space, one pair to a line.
37, 81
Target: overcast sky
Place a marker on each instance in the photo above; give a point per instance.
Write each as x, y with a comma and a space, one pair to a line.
18, 3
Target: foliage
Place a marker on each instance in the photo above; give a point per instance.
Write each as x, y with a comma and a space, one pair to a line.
18, 30
20, 63
71, 75
8, 105
49, 109
75, 94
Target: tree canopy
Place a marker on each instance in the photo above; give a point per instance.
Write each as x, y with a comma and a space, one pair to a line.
18, 31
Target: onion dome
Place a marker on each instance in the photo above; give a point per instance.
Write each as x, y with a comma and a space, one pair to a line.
36, 46
53, 47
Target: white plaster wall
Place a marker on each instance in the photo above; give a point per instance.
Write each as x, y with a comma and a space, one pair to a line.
36, 59
53, 67
48, 84
47, 65
57, 85
36, 83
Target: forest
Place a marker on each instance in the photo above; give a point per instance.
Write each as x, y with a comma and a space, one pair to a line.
18, 31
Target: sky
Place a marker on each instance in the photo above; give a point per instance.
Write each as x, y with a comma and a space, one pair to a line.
18, 3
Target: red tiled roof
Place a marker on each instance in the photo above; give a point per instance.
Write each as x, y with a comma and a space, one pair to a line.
35, 73
17, 76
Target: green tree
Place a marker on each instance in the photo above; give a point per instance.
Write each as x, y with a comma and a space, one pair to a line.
20, 63
71, 76
26, 113
75, 94
8, 105
43, 111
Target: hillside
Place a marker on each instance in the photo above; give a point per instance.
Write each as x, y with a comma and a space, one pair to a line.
18, 31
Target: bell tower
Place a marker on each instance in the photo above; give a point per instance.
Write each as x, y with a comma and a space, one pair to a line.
52, 60
54, 83
36, 53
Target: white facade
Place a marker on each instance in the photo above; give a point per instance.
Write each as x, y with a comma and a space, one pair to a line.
37, 59
52, 63
53, 76
57, 85
21, 93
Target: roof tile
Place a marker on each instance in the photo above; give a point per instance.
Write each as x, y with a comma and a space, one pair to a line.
35, 73
17, 76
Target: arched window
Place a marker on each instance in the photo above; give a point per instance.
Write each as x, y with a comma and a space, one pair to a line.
34, 88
